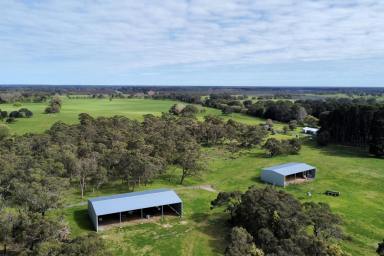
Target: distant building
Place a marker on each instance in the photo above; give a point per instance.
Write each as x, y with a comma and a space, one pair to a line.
151, 93
289, 173
309, 130
119, 208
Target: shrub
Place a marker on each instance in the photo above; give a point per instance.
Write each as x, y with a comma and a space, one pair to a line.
15, 114
10, 120
26, 112
4, 131
176, 109
292, 125
276, 147
189, 111
3, 114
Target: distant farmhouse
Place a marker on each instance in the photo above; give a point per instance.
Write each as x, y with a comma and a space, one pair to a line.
115, 209
289, 173
309, 130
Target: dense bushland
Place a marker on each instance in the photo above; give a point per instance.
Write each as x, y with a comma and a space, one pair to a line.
357, 125
36, 169
271, 222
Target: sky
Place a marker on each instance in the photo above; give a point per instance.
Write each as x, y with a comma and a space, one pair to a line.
192, 42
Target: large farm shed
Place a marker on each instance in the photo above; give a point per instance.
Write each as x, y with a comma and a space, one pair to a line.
289, 173
119, 208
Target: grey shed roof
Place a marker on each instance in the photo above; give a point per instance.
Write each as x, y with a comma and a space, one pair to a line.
290, 168
133, 201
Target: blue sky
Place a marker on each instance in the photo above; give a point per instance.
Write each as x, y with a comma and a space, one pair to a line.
192, 42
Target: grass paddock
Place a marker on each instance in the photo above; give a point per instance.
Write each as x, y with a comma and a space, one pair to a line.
203, 231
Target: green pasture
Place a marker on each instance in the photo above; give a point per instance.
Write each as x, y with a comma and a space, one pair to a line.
132, 108
203, 231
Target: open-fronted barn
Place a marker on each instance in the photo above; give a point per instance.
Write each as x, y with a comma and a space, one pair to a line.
310, 130
289, 173
119, 208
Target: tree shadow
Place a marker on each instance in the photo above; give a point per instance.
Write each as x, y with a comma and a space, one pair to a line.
216, 227
82, 219
256, 154
340, 150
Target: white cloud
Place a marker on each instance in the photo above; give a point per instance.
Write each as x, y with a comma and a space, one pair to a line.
128, 34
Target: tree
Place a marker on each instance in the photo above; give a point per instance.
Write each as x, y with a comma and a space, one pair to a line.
299, 112
323, 138
269, 123
285, 129
380, 248
10, 120
250, 136
376, 144
212, 130
176, 109
54, 105
4, 131
3, 114
32, 229
15, 114
273, 147
227, 110
25, 112
241, 244
189, 111
40, 192
99, 177
247, 103
311, 121
277, 223
228, 199
188, 159
85, 168
325, 223
7, 218
292, 146
292, 125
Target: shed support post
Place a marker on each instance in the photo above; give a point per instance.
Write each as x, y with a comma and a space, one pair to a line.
141, 213
120, 217
162, 212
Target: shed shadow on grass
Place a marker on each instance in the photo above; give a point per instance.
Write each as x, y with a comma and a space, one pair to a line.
82, 219
258, 180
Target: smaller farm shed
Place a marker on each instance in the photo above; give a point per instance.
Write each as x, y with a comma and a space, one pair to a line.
310, 130
284, 174
119, 208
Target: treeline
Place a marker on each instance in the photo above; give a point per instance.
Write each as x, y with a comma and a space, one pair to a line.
357, 122
271, 222
36, 169
278, 110
12, 96
188, 98
357, 125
